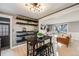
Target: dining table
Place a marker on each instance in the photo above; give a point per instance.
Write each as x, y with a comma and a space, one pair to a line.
34, 41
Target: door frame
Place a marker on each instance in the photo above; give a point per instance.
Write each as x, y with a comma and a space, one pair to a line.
8, 32
10, 17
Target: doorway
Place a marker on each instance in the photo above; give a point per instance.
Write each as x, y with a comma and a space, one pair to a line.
5, 32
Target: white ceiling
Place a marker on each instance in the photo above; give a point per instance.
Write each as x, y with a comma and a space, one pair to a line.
68, 15
21, 9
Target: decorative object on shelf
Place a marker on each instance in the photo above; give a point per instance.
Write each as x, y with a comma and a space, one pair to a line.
35, 7
43, 27
60, 28
48, 29
24, 29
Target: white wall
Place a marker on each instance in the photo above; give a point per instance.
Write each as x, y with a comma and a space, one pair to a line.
73, 29
15, 27
73, 26
68, 15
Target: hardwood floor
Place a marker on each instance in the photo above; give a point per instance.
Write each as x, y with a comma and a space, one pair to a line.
16, 51
72, 50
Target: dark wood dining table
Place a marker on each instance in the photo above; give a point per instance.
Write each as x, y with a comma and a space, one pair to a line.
34, 42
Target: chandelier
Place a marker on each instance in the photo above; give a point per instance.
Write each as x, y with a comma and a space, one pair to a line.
35, 7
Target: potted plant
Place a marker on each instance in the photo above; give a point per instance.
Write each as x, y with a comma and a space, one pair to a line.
39, 34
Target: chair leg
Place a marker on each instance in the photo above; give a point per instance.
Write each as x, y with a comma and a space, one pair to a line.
52, 50
46, 52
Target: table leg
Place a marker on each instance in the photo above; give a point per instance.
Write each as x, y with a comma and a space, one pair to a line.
27, 49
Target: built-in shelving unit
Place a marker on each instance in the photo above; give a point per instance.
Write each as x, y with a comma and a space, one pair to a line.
28, 21
18, 18
29, 24
26, 24
21, 36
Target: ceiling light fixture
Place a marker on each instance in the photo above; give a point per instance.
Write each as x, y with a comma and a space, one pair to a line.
34, 7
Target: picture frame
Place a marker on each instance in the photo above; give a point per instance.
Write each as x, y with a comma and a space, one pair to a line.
61, 28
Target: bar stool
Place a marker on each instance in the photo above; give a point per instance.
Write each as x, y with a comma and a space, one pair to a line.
41, 50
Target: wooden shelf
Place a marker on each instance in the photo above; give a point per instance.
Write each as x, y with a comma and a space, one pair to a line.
26, 24
18, 18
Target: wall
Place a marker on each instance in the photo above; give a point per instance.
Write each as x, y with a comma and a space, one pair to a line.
28, 27
73, 29
18, 27
15, 27
11, 33
73, 26
68, 15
